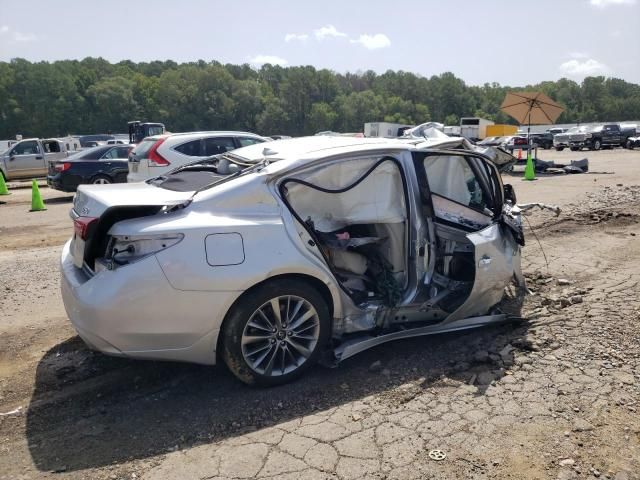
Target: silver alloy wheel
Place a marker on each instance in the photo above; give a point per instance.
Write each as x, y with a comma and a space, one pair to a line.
280, 335
101, 181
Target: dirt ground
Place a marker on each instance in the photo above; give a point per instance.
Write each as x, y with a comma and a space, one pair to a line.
555, 396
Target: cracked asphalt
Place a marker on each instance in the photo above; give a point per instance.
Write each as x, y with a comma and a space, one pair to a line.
555, 396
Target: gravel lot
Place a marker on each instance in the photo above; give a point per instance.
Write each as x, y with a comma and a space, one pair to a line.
555, 396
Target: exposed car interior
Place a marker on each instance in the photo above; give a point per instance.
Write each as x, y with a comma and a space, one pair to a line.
357, 213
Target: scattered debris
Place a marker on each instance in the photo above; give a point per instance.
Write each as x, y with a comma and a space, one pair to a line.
567, 462
542, 206
437, 455
12, 412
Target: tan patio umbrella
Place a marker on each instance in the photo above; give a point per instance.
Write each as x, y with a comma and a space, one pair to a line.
531, 108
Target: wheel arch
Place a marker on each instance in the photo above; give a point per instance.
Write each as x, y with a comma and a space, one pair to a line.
319, 285
102, 174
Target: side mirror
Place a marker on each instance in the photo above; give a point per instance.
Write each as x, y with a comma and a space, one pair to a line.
509, 194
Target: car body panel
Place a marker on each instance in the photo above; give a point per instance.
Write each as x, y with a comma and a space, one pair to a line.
113, 319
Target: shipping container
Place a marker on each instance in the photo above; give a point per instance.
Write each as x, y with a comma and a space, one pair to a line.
501, 130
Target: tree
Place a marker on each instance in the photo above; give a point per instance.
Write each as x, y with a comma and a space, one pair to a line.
321, 118
92, 95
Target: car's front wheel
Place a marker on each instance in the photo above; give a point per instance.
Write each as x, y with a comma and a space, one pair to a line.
275, 332
559, 149
596, 145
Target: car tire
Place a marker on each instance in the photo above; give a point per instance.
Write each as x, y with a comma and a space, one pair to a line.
260, 352
559, 149
628, 144
574, 149
596, 145
101, 180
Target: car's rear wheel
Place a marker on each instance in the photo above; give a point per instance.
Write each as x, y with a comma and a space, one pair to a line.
559, 149
275, 332
101, 180
574, 149
629, 144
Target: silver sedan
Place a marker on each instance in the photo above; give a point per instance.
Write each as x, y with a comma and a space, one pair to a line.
312, 249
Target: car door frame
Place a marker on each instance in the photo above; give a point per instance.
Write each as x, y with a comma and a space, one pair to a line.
117, 168
496, 252
26, 165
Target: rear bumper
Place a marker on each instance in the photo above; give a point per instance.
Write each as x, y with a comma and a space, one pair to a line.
133, 311
63, 183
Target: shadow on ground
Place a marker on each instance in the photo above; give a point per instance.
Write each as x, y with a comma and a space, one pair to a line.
89, 410
56, 200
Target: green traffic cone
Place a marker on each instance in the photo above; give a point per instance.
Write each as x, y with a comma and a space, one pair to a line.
37, 205
529, 170
3, 186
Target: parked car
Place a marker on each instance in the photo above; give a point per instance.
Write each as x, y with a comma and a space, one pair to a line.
608, 135
29, 158
633, 142
89, 141
159, 154
556, 130
518, 142
570, 138
98, 165
490, 141
273, 257
542, 140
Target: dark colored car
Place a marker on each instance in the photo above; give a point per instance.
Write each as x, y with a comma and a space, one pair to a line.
104, 164
542, 140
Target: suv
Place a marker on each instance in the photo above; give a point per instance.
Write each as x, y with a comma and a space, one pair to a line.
161, 153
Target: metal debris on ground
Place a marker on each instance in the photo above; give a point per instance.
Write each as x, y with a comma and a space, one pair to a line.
437, 455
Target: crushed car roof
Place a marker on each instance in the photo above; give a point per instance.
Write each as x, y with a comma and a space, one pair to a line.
301, 150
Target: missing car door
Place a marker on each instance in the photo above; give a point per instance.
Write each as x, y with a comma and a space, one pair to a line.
474, 253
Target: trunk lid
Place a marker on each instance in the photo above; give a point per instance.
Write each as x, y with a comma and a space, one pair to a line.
94, 200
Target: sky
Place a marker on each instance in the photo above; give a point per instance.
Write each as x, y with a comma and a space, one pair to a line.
511, 42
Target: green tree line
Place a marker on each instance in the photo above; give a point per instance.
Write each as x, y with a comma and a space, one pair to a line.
95, 96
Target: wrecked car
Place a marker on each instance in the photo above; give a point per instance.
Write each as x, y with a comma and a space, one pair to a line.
272, 259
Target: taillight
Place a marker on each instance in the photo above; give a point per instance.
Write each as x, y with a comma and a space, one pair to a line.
81, 226
61, 167
155, 157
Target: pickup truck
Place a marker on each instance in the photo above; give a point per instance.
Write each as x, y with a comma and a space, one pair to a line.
29, 158
570, 138
609, 135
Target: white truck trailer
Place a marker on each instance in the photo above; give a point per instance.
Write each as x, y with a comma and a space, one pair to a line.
385, 129
474, 128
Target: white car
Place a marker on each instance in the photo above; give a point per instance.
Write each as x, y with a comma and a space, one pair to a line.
273, 257
162, 153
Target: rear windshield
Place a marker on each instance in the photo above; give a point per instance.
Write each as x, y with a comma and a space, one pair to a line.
143, 148
187, 181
